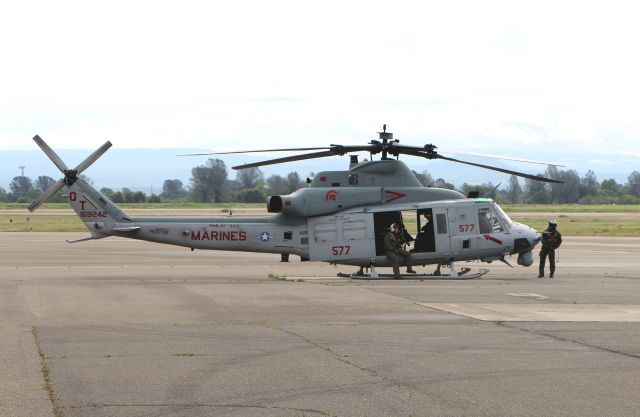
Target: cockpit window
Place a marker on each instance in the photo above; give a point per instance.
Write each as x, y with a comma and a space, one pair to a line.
488, 221
506, 220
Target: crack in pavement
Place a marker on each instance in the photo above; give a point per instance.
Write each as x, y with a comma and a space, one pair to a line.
201, 405
577, 342
347, 360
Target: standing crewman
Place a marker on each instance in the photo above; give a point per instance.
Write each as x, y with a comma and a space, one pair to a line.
394, 250
551, 240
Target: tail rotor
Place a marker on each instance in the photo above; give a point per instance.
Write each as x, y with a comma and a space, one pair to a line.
70, 175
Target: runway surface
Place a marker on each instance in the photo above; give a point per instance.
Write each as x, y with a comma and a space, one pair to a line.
130, 328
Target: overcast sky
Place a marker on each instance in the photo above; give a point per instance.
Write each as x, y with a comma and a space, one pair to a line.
499, 77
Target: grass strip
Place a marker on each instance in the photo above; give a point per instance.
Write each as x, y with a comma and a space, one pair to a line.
46, 375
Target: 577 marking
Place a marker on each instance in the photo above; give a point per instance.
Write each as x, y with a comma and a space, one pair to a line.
340, 250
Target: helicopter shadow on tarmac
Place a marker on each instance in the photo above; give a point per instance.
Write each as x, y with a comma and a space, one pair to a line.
462, 275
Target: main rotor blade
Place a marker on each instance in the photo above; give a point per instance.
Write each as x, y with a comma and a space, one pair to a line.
47, 194
350, 149
93, 157
335, 150
507, 171
51, 154
508, 158
405, 148
287, 159
274, 150
196, 154
261, 150
435, 155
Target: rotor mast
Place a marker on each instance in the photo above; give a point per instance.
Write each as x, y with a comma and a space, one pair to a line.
386, 140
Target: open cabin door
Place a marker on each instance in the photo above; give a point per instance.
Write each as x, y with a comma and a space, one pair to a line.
433, 242
382, 222
341, 237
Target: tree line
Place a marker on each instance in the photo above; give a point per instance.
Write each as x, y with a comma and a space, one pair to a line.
573, 189
210, 183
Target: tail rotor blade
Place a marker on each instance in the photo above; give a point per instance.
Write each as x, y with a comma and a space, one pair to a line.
49, 192
51, 154
93, 157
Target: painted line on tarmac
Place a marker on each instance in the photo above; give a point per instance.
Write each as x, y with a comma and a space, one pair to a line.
37, 267
622, 313
528, 295
605, 251
193, 266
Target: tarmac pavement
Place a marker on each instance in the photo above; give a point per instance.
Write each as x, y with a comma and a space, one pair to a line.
133, 328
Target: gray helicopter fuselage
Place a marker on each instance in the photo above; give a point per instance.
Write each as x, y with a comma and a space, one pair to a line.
341, 218
351, 236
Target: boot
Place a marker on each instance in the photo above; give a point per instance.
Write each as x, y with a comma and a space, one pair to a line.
410, 271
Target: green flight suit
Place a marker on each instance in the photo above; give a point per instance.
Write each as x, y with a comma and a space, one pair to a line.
551, 240
395, 251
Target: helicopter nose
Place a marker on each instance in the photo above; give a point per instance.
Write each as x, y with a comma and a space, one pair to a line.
525, 237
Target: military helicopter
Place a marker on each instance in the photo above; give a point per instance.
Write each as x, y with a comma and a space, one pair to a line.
341, 217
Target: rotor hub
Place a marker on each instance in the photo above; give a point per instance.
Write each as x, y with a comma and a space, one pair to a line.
70, 177
430, 151
386, 147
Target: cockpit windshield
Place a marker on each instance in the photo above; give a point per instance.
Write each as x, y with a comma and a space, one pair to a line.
503, 216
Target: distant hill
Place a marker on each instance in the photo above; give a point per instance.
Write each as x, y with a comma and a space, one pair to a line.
146, 169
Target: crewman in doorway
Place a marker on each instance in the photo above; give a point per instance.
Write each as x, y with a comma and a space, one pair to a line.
425, 241
394, 250
551, 240
404, 236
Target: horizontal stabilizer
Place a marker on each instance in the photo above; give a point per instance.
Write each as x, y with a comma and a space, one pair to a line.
85, 239
128, 229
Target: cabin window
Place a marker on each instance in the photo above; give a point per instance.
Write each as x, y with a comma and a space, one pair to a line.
353, 179
441, 220
325, 232
288, 235
488, 221
354, 230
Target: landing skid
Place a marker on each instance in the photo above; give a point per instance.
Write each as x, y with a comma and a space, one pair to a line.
463, 274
